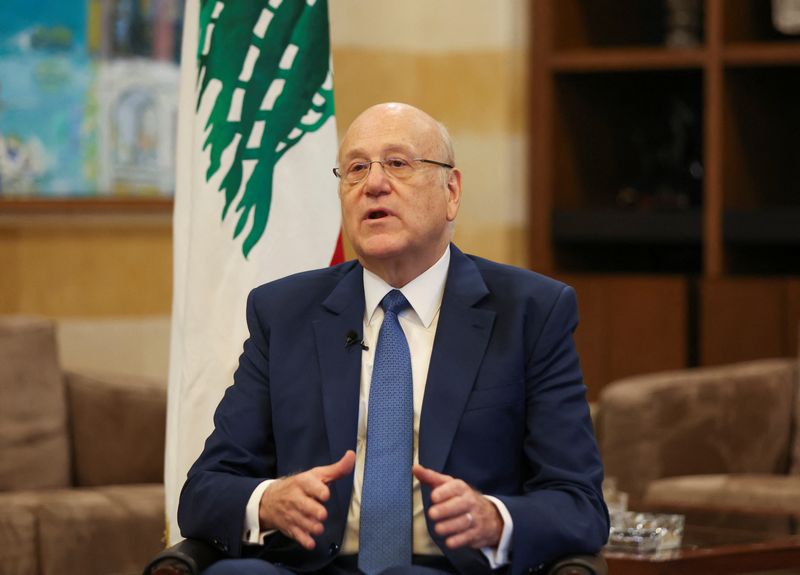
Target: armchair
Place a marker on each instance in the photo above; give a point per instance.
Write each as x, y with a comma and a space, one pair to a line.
192, 556
723, 438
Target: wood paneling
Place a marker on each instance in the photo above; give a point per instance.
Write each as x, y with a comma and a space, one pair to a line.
86, 266
630, 325
748, 318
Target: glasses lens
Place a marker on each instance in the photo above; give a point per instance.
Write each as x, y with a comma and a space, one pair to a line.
398, 168
356, 172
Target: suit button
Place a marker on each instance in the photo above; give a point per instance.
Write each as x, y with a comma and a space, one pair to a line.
333, 549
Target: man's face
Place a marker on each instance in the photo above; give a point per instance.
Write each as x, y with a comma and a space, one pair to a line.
388, 220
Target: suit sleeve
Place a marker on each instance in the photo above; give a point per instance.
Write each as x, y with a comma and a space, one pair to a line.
238, 455
561, 510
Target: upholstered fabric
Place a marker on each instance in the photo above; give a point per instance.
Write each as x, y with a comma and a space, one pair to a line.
34, 450
730, 419
94, 531
18, 538
117, 425
765, 493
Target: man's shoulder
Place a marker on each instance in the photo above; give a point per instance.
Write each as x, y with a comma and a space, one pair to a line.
511, 279
306, 284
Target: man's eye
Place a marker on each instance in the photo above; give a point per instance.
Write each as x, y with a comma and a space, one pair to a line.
357, 167
397, 163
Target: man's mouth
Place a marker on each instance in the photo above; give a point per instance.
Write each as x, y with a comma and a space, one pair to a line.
376, 214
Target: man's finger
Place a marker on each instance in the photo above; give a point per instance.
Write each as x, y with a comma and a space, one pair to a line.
334, 471
450, 507
302, 538
310, 508
429, 477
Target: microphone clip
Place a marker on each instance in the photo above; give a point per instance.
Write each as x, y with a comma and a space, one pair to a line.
352, 339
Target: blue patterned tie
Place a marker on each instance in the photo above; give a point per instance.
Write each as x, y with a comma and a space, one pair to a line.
385, 529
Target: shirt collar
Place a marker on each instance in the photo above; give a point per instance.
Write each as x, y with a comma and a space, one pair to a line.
424, 292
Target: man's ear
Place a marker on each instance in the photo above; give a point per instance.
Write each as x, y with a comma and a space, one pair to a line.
453, 193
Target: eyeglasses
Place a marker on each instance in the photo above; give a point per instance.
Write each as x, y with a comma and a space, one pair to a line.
397, 168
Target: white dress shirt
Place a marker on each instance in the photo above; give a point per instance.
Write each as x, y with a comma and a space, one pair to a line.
419, 322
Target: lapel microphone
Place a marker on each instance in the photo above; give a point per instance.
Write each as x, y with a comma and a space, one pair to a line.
352, 338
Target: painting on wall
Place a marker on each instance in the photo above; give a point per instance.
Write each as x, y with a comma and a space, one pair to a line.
88, 98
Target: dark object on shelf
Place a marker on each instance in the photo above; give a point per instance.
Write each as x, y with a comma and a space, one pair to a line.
763, 226
786, 16
668, 169
684, 23
668, 227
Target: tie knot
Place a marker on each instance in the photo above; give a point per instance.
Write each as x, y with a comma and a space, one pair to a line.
394, 302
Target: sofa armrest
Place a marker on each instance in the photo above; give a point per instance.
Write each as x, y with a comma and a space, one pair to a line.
730, 419
117, 426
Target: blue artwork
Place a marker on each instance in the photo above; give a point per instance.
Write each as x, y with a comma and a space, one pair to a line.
88, 97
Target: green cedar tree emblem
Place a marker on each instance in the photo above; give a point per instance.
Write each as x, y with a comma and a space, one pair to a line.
287, 44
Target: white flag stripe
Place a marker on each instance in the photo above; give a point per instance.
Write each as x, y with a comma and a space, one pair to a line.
207, 44
311, 117
275, 3
261, 26
280, 146
235, 111
218, 8
288, 57
254, 141
318, 100
275, 89
295, 133
249, 64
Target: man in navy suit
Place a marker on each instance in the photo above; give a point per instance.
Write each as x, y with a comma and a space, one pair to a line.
506, 473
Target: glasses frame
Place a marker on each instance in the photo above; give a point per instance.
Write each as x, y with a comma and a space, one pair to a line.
338, 173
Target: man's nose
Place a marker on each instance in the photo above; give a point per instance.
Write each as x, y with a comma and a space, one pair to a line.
376, 181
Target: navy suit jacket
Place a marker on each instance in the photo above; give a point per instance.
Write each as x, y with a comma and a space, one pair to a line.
504, 410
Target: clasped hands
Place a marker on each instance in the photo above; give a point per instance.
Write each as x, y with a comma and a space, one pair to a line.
294, 506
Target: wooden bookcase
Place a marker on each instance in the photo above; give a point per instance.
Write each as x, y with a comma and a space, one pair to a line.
680, 164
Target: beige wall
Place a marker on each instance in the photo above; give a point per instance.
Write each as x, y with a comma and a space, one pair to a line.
464, 61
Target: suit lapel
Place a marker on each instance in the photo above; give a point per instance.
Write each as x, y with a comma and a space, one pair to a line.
461, 339
340, 366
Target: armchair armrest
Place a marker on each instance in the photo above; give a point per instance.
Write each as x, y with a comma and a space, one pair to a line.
579, 565
188, 557
192, 556
117, 427
730, 419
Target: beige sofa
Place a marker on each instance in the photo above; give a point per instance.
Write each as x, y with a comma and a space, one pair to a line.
81, 462
723, 437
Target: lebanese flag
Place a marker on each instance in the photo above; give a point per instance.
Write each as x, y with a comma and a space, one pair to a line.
255, 198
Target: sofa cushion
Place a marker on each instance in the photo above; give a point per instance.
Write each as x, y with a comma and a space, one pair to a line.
117, 427
18, 538
34, 449
96, 531
746, 492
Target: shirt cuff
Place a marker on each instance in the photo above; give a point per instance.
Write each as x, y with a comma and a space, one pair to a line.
500, 556
252, 526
